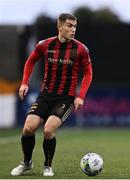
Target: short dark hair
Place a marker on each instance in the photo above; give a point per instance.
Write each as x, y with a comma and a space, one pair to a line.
62, 17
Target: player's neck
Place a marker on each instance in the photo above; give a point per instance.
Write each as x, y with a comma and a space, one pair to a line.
62, 39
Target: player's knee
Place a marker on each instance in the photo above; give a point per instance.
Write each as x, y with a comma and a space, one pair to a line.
28, 131
48, 132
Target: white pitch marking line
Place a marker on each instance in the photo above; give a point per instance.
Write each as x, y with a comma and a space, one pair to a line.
7, 140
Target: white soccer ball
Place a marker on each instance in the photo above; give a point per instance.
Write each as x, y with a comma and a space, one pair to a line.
91, 164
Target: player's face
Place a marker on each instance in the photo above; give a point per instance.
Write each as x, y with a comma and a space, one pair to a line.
67, 29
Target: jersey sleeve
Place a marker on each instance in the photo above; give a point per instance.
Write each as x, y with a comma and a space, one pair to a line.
87, 72
85, 57
32, 59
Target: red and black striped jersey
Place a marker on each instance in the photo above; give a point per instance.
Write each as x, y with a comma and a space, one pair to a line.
62, 66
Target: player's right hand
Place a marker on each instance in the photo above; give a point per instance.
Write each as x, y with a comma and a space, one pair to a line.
23, 91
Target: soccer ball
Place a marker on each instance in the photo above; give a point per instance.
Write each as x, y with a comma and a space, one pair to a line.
91, 164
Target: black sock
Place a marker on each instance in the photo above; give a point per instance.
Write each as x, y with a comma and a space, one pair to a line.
27, 143
49, 146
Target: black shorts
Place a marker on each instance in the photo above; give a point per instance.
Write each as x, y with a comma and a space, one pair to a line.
47, 105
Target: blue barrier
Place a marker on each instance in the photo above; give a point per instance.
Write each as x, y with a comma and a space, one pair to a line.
102, 107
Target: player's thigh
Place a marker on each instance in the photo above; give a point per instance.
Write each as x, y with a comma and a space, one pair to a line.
31, 124
52, 123
59, 113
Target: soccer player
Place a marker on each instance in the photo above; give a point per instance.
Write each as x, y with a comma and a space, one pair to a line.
63, 56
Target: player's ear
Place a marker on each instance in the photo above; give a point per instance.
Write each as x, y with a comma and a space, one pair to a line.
58, 24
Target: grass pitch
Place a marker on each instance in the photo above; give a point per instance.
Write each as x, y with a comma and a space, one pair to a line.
112, 144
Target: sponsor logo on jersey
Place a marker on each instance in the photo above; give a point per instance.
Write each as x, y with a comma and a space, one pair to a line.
60, 61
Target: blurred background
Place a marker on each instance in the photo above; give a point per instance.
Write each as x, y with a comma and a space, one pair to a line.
103, 26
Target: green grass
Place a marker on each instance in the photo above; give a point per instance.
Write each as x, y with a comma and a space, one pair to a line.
112, 144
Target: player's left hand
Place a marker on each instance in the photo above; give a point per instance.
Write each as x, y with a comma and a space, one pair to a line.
78, 103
